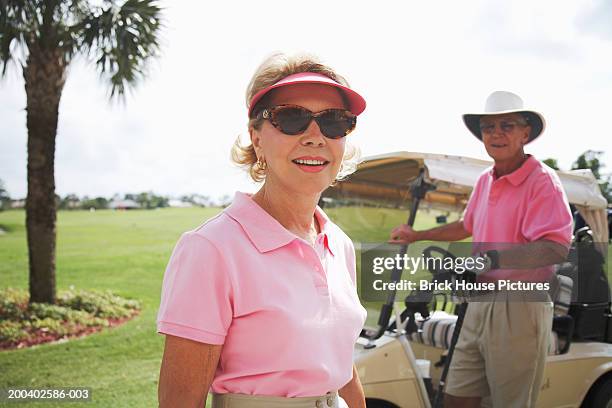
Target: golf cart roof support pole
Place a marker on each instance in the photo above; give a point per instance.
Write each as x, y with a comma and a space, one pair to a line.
462, 309
424, 403
418, 189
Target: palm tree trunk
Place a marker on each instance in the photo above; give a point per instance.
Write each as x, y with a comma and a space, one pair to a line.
44, 76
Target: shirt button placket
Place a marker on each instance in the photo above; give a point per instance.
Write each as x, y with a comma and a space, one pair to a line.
317, 267
321, 278
495, 191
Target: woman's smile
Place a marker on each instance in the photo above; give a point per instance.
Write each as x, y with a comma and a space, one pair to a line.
311, 164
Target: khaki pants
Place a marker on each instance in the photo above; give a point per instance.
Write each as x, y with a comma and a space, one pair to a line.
501, 352
329, 400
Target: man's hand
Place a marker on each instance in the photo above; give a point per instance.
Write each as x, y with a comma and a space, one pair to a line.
481, 265
404, 234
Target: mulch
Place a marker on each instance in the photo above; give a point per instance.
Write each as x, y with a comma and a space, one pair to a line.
40, 336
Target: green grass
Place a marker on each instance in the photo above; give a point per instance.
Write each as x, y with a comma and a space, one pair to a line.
125, 252
368, 224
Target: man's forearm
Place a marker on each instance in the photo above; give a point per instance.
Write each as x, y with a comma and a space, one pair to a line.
454, 231
532, 255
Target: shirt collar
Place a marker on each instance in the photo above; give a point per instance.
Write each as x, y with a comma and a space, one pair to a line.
519, 175
263, 230
326, 226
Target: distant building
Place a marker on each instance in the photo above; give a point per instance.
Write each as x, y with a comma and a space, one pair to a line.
18, 203
179, 204
123, 205
73, 203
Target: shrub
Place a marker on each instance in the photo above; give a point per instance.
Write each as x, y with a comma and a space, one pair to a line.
12, 332
45, 310
100, 304
13, 304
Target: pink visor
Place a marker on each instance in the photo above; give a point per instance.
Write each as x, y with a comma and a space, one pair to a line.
356, 102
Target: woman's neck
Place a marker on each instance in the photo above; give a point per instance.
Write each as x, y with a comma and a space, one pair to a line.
292, 210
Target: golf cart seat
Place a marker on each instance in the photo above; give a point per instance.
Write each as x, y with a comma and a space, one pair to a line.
437, 331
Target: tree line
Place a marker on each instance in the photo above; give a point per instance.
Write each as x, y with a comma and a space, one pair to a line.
590, 160
144, 200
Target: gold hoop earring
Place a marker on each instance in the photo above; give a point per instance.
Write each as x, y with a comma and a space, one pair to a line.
261, 163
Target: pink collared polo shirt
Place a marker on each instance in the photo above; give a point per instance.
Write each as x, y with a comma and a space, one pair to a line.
526, 205
287, 313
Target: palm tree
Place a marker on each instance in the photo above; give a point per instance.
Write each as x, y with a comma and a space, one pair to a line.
43, 37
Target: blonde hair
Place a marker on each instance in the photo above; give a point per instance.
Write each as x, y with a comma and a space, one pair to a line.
273, 69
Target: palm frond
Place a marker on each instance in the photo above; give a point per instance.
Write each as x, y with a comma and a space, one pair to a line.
119, 37
20, 23
121, 40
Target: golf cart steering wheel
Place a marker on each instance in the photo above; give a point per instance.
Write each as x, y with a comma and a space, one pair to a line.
424, 301
443, 274
428, 253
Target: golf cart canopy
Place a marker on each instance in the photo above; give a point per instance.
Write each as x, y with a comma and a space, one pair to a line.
385, 180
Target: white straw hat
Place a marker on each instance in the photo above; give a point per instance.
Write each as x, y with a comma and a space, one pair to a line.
500, 102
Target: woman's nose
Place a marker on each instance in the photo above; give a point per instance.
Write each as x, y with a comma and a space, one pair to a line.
312, 135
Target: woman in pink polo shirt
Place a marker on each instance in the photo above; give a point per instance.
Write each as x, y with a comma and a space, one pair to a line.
259, 303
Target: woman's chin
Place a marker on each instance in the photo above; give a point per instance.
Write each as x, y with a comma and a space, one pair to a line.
310, 186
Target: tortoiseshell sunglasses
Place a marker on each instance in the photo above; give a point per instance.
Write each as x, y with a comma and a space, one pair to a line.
295, 119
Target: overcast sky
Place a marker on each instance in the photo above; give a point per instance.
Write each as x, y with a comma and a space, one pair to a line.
420, 65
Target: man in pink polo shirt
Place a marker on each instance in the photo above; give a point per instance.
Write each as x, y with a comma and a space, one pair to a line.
519, 208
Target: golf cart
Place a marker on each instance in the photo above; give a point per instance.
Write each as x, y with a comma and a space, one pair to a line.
406, 346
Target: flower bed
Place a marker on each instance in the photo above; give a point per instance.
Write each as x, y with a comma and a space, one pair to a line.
77, 313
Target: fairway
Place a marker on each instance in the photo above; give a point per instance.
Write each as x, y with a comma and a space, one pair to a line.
126, 252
